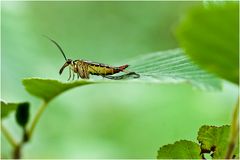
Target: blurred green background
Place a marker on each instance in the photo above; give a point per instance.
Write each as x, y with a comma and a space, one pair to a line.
104, 120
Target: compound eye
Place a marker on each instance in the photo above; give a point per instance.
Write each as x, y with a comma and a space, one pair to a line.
69, 61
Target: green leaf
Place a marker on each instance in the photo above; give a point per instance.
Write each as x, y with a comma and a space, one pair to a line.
180, 150
162, 67
48, 89
210, 37
215, 139
7, 108
22, 114
173, 66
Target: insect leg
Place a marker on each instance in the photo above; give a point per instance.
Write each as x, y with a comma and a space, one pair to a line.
125, 76
73, 76
134, 74
70, 74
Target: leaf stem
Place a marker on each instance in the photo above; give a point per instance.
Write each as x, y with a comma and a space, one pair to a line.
36, 118
17, 152
234, 132
8, 136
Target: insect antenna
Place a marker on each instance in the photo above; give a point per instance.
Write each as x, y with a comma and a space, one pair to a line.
57, 46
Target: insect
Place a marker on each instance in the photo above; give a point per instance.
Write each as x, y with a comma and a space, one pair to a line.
85, 68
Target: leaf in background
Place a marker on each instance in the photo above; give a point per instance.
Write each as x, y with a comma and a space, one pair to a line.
7, 108
210, 37
162, 67
22, 114
215, 139
180, 150
173, 66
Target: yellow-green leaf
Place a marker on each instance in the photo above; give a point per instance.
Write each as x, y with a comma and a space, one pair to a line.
180, 150
215, 139
7, 108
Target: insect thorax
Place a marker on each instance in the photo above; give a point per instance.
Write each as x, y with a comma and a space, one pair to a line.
74, 65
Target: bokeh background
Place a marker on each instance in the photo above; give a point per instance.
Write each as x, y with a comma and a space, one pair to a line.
104, 120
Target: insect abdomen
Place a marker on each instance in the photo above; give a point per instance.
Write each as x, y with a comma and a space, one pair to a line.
101, 69
121, 68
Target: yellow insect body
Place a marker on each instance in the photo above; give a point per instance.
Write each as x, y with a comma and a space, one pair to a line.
84, 68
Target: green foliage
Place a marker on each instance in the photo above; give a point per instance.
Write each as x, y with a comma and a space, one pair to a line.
215, 139
162, 67
211, 139
172, 66
180, 150
22, 114
22, 111
210, 37
104, 32
7, 108
48, 89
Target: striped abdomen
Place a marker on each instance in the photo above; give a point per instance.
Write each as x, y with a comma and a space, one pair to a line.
102, 69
